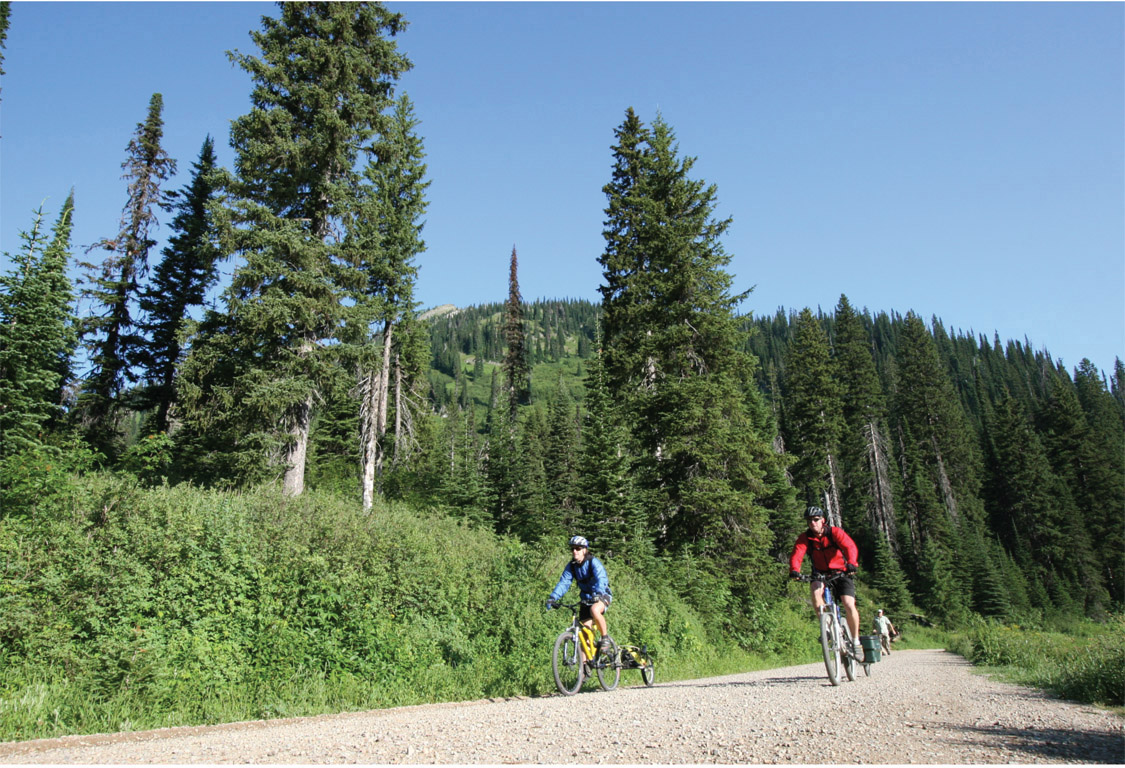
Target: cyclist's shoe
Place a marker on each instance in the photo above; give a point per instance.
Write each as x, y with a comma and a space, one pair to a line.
603, 644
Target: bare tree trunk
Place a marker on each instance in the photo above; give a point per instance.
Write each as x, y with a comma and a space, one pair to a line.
912, 520
374, 386
381, 405
399, 405
881, 509
368, 435
946, 486
832, 495
297, 450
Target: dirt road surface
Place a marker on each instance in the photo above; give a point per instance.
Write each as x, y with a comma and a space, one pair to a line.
915, 707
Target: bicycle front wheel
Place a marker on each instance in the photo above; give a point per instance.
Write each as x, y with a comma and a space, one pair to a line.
831, 647
609, 666
848, 647
567, 662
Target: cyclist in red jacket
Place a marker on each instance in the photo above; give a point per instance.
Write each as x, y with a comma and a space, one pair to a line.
831, 550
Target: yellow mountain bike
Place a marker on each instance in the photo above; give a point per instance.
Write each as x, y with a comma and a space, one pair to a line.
576, 655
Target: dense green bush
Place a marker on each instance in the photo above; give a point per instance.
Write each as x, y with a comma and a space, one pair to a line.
125, 607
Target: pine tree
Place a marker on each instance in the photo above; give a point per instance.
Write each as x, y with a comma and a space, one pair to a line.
517, 371
813, 419
37, 332
180, 282
5, 18
608, 495
381, 250
322, 84
110, 333
560, 455
927, 403
888, 578
1101, 474
865, 449
1027, 509
674, 355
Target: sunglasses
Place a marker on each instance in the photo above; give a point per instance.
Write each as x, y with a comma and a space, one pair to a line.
576, 549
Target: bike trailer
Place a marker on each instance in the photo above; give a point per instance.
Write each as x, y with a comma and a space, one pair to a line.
872, 650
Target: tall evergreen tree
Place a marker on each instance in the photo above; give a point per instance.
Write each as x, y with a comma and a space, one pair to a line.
1103, 480
674, 355
813, 421
110, 332
517, 370
180, 281
560, 455
382, 248
321, 87
37, 332
5, 20
865, 447
929, 406
608, 494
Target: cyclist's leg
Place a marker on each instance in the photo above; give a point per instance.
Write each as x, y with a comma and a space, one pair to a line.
845, 592
597, 612
817, 588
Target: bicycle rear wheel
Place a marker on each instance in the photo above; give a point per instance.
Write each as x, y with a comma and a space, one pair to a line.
648, 674
608, 664
831, 647
567, 663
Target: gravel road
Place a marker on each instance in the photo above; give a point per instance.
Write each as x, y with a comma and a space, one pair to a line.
916, 707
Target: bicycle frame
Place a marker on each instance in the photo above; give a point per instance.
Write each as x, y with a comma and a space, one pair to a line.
576, 656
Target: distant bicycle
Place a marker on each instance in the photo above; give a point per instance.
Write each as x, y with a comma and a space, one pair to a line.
576, 654
835, 637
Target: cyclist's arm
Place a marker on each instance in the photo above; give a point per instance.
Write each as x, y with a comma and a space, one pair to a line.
563, 585
847, 545
798, 555
601, 578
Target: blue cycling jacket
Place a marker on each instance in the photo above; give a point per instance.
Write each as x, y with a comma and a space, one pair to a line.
590, 575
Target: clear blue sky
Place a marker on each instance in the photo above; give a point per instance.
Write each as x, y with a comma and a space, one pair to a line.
959, 160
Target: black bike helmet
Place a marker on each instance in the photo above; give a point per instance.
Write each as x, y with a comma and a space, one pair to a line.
814, 512
579, 541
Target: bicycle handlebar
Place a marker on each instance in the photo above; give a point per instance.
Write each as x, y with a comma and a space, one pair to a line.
818, 576
574, 606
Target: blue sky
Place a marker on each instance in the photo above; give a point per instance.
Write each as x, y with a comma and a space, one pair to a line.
959, 160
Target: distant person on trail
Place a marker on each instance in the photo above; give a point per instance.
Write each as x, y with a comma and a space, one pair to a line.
832, 550
885, 629
593, 586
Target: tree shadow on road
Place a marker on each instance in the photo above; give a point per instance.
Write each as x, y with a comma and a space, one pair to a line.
1053, 744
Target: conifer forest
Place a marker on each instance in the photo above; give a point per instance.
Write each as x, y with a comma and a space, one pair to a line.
186, 417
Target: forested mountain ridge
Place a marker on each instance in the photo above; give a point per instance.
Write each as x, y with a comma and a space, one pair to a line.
1038, 533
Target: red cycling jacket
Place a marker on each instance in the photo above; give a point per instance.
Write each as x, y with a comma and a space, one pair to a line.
830, 552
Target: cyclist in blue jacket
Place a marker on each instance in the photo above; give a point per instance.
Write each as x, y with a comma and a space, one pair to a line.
593, 585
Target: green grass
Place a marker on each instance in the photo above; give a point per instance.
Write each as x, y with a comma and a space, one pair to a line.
1086, 664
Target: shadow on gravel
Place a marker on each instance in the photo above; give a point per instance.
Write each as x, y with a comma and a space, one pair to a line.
766, 683
1055, 744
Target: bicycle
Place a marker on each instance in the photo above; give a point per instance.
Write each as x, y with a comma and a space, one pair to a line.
576, 654
835, 636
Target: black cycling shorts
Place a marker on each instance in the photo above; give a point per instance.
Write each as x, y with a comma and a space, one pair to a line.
584, 611
845, 585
